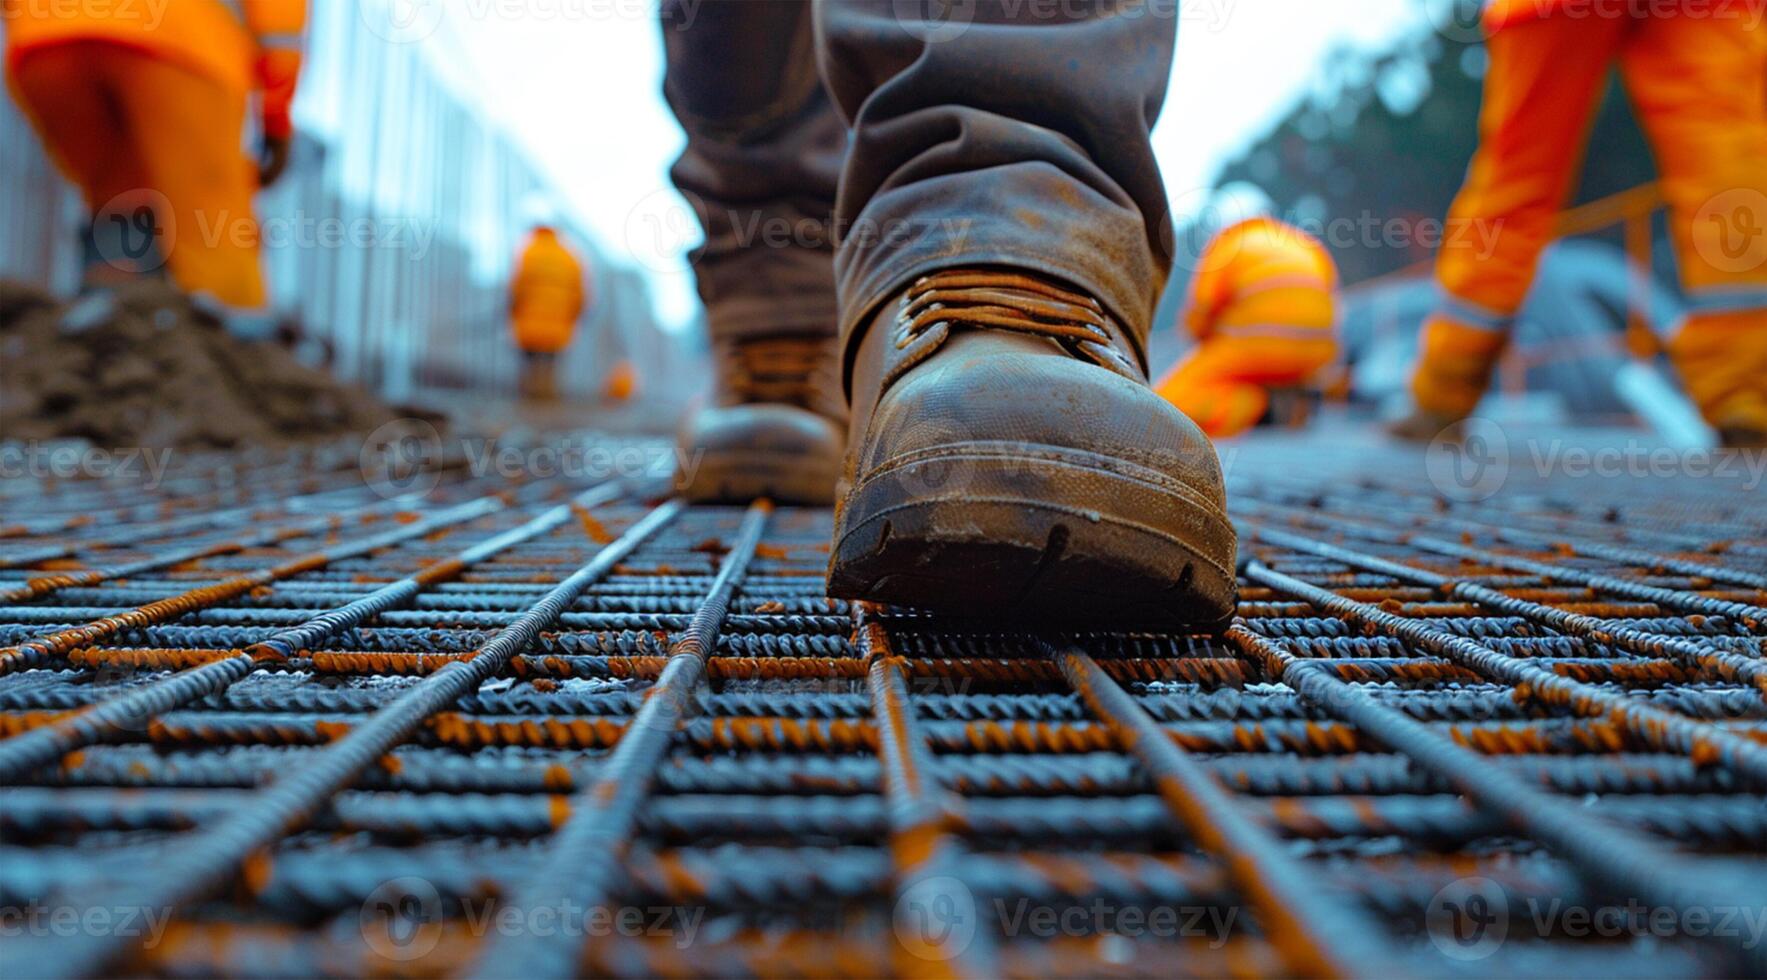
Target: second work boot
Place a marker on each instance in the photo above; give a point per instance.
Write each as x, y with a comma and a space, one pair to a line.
1455, 364
1007, 459
1722, 360
776, 428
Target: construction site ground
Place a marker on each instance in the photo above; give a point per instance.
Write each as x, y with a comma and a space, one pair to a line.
1497, 708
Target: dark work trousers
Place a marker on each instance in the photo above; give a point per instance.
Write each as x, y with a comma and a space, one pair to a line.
844, 147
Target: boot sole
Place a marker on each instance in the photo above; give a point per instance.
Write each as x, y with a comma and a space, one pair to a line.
739, 476
1036, 534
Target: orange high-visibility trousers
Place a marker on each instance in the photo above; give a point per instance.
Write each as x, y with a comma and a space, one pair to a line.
128, 127
1263, 310
1698, 83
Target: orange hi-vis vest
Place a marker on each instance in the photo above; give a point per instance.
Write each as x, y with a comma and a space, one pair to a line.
243, 44
547, 294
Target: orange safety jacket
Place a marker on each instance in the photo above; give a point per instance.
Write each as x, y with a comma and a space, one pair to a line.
547, 294
243, 44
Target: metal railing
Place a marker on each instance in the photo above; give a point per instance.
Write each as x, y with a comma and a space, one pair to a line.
392, 237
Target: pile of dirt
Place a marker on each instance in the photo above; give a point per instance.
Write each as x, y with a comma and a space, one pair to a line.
141, 366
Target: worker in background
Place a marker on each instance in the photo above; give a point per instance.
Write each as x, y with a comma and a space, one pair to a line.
1262, 308
547, 295
143, 107
1696, 80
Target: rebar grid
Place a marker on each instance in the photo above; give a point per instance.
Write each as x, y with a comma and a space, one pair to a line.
291, 726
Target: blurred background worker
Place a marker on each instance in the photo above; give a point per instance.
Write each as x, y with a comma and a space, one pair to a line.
1697, 79
1262, 308
547, 295
621, 382
143, 106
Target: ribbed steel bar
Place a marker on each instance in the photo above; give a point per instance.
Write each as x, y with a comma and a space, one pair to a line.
1378, 507
1724, 665
776, 808
1752, 616
33, 652
937, 920
1702, 742
42, 585
189, 871
132, 711
1315, 933
585, 867
1616, 858
1562, 543
165, 530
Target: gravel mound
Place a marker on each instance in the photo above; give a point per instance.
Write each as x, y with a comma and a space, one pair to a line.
141, 366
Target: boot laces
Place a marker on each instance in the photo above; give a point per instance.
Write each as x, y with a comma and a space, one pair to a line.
790, 370
1014, 301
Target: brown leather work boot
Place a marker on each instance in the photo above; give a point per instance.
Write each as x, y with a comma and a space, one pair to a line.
1007, 459
777, 427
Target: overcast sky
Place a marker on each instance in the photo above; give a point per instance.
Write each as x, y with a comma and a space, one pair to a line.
579, 82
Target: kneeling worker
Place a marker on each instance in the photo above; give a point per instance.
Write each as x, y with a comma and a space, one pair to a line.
1263, 310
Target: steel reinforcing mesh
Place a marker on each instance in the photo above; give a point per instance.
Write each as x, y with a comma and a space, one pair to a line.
261, 720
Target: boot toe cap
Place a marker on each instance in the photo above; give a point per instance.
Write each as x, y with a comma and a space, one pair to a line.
1037, 400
